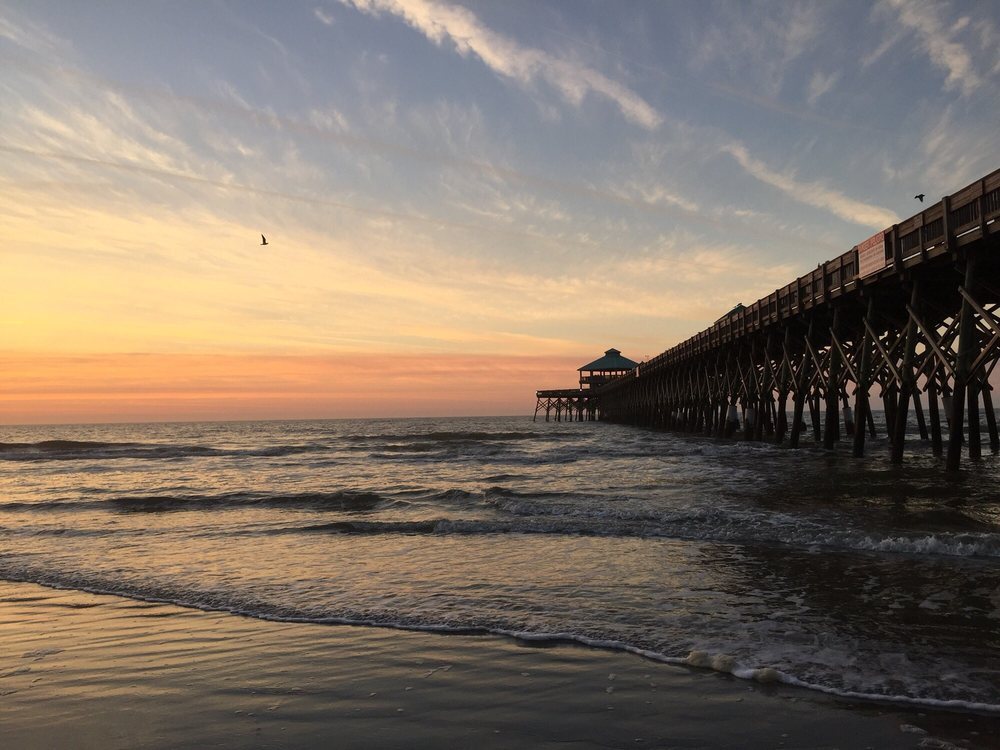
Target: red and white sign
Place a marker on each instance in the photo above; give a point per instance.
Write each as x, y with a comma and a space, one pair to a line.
871, 255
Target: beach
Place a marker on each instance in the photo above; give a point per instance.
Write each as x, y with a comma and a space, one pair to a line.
84, 670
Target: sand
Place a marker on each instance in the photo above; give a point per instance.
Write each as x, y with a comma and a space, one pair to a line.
79, 670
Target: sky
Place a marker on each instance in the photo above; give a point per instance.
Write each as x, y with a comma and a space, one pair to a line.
464, 202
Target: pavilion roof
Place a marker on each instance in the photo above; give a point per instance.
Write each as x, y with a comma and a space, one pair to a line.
612, 360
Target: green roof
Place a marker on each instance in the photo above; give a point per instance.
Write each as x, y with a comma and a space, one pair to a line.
612, 360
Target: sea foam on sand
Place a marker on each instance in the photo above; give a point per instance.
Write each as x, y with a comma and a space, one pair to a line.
90, 671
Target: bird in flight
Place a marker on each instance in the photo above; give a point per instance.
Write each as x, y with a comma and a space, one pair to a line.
263, 240
919, 197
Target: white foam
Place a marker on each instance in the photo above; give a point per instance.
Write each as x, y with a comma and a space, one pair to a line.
699, 659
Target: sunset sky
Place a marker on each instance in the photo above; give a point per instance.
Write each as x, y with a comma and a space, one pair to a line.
464, 201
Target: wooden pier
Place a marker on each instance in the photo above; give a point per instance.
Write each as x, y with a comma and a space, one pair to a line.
913, 311
567, 405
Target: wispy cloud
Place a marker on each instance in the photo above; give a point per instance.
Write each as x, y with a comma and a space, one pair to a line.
324, 16
812, 193
84, 111
756, 42
819, 85
655, 195
508, 58
30, 35
952, 152
939, 41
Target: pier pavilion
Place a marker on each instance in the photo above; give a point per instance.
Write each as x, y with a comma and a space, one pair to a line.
611, 365
580, 403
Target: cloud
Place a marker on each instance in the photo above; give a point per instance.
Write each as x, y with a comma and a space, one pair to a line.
953, 151
30, 36
324, 17
819, 85
812, 193
758, 44
939, 42
81, 110
656, 195
507, 58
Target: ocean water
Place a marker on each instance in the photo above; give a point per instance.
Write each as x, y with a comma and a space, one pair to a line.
851, 577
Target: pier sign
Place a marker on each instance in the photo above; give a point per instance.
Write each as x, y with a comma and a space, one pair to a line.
871, 254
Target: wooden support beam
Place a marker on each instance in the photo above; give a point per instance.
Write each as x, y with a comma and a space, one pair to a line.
975, 444
886, 360
800, 394
862, 409
889, 409
843, 356
967, 341
758, 396
781, 421
820, 369
832, 427
907, 381
987, 352
991, 418
929, 337
918, 411
935, 417
814, 414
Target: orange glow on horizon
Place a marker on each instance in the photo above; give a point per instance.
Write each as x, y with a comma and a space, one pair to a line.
44, 388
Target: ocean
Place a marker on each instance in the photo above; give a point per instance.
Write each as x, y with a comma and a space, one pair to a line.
850, 577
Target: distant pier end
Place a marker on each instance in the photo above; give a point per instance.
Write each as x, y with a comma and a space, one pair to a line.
582, 403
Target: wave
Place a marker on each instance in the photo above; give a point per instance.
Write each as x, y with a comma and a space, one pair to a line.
449, 496
386, 444
68, 450
346, 500
451, 437
60, 446
694, 658
498, 510
966, 537
695, 528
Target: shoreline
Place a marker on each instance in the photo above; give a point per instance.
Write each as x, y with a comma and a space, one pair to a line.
93, 670
697, 661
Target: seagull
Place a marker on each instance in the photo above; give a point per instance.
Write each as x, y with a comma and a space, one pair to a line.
919, 197
263, 240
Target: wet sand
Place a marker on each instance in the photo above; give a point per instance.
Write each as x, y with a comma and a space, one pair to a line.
87, 671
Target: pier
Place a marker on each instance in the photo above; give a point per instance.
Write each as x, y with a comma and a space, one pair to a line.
912, 312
